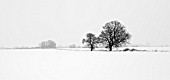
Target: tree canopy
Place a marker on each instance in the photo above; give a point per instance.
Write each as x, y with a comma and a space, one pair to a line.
114, 34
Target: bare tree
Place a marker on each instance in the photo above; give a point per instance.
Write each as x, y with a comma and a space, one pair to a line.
114, 35
91, 40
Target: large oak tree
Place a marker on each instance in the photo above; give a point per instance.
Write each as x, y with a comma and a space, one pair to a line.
114, 34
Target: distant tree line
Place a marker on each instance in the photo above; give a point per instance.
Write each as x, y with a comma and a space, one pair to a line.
113, 34
47, 44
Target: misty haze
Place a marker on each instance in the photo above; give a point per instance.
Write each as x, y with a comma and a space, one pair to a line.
84, 40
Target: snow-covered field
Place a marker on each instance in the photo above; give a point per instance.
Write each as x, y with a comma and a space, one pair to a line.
54, 64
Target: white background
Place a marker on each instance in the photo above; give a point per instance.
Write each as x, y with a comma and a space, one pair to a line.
28, 22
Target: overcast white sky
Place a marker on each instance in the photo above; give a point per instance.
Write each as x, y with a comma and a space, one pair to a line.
28, 22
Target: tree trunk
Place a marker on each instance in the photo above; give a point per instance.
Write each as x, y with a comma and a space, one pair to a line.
92, 47
110, 48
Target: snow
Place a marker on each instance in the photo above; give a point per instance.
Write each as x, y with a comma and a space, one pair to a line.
54, 64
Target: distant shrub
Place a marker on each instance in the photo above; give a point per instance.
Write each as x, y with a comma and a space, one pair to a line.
126, 49
134, 49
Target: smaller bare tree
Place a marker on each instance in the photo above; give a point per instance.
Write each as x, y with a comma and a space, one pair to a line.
91, 40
